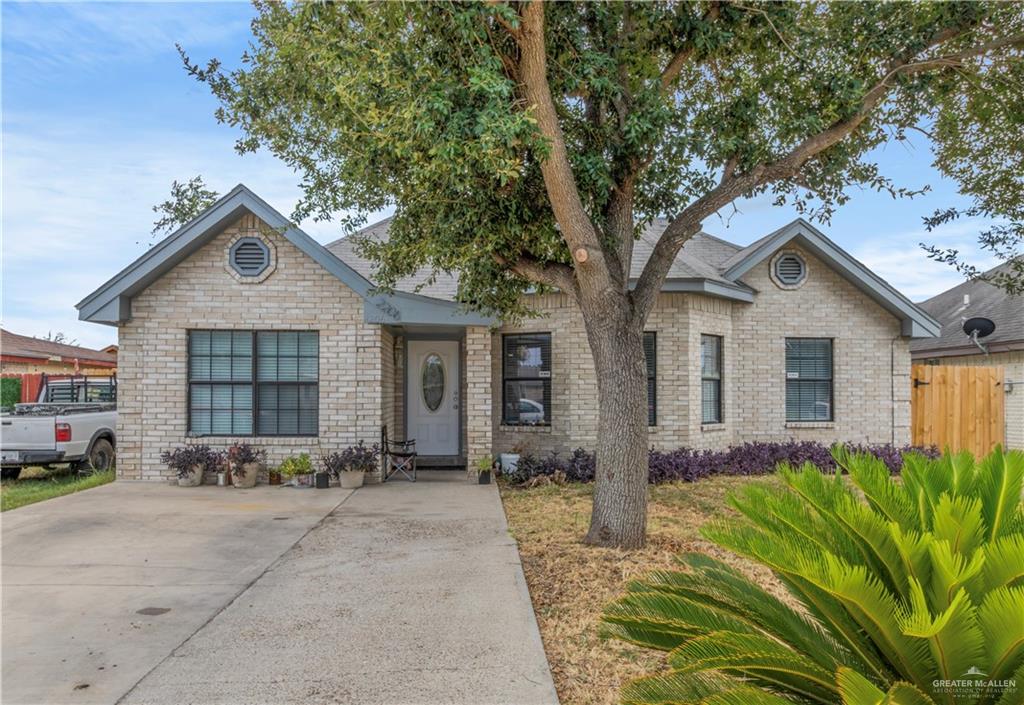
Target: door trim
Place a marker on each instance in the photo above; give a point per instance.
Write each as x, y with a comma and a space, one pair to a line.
460, 338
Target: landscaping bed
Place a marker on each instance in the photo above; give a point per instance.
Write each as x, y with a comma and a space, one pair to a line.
38, 484
570, 583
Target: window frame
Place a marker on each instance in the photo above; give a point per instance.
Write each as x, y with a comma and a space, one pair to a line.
546, 381
253, 383
718, 380
651, 368
830, 379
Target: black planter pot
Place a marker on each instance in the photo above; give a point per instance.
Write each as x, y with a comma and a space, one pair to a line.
484, 477
323, 480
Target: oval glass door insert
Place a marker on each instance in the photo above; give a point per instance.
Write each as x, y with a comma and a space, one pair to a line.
432, 382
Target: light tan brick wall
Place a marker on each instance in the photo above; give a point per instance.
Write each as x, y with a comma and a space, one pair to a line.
1013, 371
200, 293
477, 395
871, 360
872, 366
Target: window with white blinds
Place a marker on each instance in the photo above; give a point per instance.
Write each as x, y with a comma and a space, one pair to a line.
711, 379
651, 359
243, 383
809, 379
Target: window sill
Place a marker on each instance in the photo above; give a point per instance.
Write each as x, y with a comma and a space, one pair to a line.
712, 427
810, 424
525, 428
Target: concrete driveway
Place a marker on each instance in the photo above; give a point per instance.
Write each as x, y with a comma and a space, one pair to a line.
81, 572
404, 594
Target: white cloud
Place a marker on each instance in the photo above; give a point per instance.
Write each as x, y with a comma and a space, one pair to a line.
77, 209
899, 259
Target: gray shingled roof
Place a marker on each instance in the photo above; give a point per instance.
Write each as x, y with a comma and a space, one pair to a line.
700, 258
985, 300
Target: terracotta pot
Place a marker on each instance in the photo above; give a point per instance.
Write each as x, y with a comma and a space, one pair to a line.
247, 478
351, 479
193, 479
274, 478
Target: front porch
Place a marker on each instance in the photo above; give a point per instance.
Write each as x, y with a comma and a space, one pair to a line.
436, 389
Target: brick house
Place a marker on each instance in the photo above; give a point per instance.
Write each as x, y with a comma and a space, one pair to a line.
241, 326
1004, 348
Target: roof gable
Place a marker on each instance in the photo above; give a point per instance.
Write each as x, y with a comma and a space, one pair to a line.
111, 303
915, 322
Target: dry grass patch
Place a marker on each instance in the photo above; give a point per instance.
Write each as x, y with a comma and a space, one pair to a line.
570, 583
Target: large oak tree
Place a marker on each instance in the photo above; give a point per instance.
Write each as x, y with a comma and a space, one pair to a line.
524, 144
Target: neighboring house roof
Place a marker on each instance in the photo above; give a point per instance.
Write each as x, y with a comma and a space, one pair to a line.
984, 300
22, 346
111, 303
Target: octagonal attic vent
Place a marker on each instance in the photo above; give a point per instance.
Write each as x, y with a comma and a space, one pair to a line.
249, 256
790, 269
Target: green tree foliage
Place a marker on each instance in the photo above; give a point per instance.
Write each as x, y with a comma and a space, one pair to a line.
187, 200
524, 145
894, 586
10, 391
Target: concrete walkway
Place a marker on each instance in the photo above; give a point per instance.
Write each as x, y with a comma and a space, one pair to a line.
100, 586
406, 594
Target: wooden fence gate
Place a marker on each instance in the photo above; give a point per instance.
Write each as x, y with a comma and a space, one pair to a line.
960, 408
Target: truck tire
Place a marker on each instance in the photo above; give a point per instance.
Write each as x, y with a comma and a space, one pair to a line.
100, 459
10, 473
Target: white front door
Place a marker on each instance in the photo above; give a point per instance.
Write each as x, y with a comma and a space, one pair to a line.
432, 409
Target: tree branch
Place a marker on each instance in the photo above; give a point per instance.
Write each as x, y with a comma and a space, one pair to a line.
557, 276
577, 229
733, 185
675, 65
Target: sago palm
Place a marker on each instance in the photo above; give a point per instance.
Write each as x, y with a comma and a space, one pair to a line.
896, 585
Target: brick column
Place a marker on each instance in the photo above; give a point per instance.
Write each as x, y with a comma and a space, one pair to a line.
478, 394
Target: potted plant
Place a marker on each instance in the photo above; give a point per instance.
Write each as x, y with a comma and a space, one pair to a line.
190, 462
298, 469
484, 465
509, 461
245, 462
274, 476
351, 465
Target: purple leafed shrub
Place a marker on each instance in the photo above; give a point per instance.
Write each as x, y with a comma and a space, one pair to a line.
688, 464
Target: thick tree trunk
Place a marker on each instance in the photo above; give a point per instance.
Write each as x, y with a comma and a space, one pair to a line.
619, 515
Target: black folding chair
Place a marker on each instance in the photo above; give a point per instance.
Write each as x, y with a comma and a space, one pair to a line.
398, 457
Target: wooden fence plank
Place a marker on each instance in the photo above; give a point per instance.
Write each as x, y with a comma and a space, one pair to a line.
957, 408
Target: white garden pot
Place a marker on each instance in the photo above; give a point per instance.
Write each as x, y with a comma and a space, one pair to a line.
193, 479
248, 478
509, 461
351, 479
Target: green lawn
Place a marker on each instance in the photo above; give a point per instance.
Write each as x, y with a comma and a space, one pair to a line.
38, 484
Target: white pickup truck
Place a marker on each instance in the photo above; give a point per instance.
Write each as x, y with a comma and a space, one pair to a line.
79, 433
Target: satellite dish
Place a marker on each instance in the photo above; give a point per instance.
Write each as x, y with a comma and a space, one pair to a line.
978, 327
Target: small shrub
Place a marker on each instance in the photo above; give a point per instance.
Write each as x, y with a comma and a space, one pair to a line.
242, 454
357, 458
10, 391
182, 459
894, 589
689, 464
296, 465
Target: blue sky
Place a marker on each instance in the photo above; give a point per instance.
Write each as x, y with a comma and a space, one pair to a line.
99, 118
